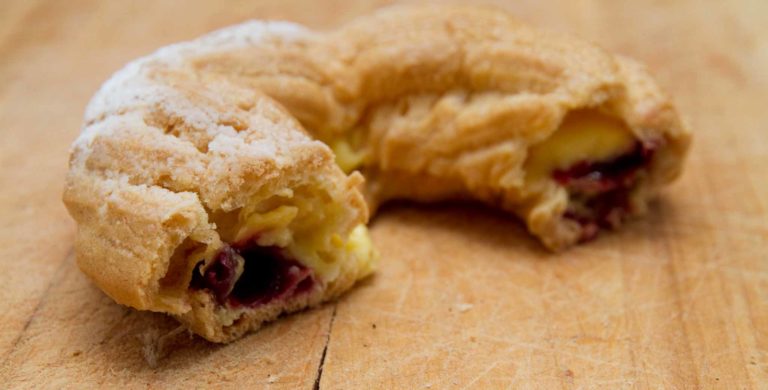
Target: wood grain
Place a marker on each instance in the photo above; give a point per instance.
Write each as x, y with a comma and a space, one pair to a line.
464, 298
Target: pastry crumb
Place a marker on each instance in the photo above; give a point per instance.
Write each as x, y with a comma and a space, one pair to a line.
464, 307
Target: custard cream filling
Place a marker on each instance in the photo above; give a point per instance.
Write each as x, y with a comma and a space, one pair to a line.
310, 233
347, 158
583, 136
348, 148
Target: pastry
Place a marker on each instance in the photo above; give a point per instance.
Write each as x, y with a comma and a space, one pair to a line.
221, 180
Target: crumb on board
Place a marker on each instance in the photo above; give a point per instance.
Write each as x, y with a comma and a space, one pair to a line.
464, 307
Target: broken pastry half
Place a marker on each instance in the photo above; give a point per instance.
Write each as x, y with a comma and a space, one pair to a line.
468, 103
206, 200
221, 180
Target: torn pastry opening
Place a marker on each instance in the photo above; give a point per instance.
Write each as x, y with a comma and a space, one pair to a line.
285, 249
599, 162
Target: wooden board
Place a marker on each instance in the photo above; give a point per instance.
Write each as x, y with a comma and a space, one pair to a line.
464, 298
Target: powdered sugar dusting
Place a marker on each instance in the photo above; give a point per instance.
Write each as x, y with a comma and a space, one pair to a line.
131, 87
228, 133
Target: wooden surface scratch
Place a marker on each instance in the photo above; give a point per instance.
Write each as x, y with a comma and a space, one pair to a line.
465, 298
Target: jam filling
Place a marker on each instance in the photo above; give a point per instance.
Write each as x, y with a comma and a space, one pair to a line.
599, 191
267, 275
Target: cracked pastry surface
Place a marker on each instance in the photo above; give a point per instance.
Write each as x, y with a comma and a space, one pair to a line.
221, 180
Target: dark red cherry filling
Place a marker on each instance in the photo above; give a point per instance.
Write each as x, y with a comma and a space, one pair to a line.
599, 191
268, 274
220, 276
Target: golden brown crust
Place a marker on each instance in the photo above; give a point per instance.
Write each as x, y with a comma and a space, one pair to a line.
448, 101
455, 97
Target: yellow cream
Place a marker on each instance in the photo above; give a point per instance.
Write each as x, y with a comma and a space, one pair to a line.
308, 235
584, 135
271, 226
346, 156
328, 262
360, 245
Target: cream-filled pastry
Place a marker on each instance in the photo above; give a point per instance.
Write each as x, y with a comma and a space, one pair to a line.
221, 180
